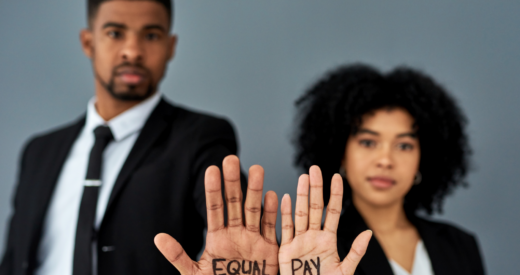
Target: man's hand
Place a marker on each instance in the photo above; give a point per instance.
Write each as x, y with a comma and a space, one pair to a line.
306, 249
238, 248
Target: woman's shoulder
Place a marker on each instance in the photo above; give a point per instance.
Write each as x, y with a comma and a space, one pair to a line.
449, 246
443, 229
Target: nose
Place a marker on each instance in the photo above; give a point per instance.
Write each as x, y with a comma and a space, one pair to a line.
384, 159
132, 50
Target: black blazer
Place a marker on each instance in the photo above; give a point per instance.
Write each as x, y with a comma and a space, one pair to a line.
160, 189
451, 250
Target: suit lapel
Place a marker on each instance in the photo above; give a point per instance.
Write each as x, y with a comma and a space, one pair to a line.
59, 148
440, 253
153, 128
374, 261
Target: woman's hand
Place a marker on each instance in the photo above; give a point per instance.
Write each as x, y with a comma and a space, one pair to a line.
306, 248
237, 248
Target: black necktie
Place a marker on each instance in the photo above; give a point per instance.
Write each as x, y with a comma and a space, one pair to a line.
85, 231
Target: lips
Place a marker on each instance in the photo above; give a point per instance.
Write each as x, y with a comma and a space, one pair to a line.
131, 79
131, 76
381, 182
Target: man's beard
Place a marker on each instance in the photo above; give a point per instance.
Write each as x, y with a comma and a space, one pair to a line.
131, 94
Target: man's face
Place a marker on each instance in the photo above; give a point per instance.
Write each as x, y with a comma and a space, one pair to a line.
129, 45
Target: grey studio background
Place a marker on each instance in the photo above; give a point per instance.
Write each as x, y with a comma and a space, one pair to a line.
250, 60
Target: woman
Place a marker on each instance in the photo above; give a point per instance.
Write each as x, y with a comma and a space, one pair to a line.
398, 140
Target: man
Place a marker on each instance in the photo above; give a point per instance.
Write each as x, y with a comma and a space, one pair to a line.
92, 195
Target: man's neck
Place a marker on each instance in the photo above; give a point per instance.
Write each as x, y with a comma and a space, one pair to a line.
382, 219
108, 107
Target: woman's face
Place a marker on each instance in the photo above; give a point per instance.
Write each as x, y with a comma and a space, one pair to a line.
382, 158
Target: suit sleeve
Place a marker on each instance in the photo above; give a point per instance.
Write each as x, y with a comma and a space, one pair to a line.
216, 141
7, 264
476, 258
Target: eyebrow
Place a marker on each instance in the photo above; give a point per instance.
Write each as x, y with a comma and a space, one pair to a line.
114, 25
123, 26
412, 135
370, 132
366, 131
155, 27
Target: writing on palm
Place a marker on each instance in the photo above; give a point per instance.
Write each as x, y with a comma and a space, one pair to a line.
248, 246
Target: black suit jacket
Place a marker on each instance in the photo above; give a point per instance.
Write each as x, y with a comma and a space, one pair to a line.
451, 250
160, 189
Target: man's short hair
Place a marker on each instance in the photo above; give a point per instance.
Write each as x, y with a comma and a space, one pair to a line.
93, 6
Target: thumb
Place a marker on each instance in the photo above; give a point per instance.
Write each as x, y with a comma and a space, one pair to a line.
357, 251
174, 253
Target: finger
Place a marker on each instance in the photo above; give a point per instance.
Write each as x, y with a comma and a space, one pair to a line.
357, 251
335, 203
269, 218
287, 222
231, 167
253, 204
174, 253
301, 216
316, 201
214, 203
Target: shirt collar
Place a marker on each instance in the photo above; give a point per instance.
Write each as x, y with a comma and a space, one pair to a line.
126, 123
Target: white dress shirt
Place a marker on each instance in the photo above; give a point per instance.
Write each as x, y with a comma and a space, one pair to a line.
421, 263
56, 250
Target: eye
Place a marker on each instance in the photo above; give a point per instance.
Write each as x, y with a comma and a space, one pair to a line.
114, 34
367, 143
152, 36
405, 146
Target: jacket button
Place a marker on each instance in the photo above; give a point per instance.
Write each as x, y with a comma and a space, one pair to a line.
108, 248
25, 265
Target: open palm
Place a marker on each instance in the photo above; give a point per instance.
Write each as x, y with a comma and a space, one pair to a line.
306, 248
238, 248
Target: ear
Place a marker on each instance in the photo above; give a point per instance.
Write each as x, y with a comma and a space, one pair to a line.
172, 45
86, 37
342, 169
344, 159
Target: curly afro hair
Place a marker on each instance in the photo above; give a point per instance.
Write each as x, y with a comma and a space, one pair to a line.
331, 111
